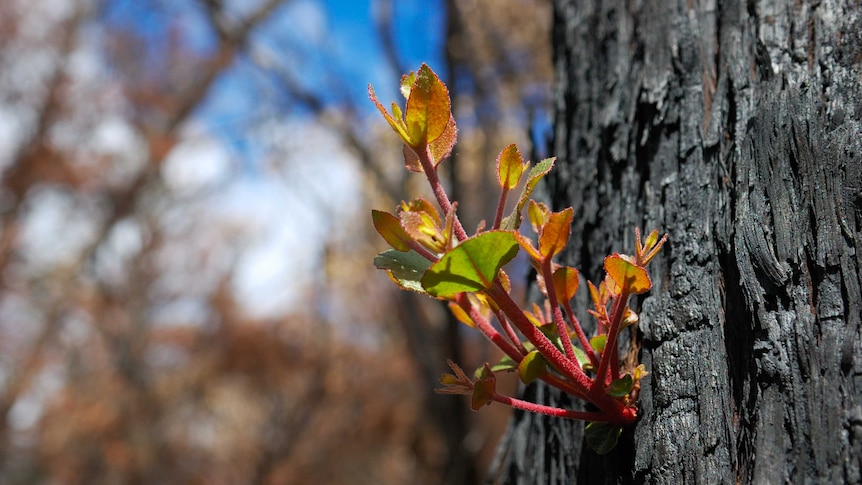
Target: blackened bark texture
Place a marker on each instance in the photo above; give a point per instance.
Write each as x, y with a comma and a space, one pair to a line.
736, 127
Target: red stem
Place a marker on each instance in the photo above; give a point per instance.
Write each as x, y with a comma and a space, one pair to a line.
617, 313
551, 411
555, 309
582, 337
425, 159
510, 332
501, 207
486, 328
570, 369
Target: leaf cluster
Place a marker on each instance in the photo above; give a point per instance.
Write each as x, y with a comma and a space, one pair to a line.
432, 254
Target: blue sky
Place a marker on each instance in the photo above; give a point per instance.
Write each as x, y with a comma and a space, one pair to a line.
330, 47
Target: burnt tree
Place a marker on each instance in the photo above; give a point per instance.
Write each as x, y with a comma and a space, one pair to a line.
736, 127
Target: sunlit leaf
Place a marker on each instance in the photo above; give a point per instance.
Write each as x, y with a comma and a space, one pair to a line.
582, 358
537, 213
428, 108
566, 283
397, 124
470, 266
525, 243
407, 81
513, 221
510, 167
389, 227
621, 386
602, 437
440, 148
461, 315
626, 275
555, 233
629, 318
598, 342
506, 364
406, 269
532, 367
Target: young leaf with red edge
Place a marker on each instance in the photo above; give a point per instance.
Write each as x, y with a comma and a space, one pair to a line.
388, 226
566, 283
627, 276
555, 232
428, 109
510, 167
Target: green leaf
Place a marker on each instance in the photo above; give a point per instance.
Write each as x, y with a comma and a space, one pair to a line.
602, 437
598, 342
510, 167
428, 108
506, 364
406, 269
532, 366
470, 266
582, 358
513, 221
621, 386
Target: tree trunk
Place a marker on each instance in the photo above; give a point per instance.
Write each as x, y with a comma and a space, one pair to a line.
736, 127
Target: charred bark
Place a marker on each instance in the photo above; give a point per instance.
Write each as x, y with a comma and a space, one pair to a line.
736, 127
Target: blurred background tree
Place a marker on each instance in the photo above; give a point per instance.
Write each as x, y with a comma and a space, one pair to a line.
186, 294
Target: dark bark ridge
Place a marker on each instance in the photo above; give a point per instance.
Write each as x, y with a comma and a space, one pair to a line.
736, 127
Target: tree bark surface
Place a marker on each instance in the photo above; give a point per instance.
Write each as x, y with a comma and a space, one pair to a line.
736, 127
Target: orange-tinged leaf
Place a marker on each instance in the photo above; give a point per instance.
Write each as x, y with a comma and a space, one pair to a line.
440, 148
484, 387
411, 160
626, 275
396, 124
510, 167
389, 227
422, 205
538, 213
527, 245
566, 283
428, 108
555, 233
461, 315
449, 380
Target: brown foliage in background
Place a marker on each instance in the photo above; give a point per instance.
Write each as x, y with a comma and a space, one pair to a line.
125, 355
